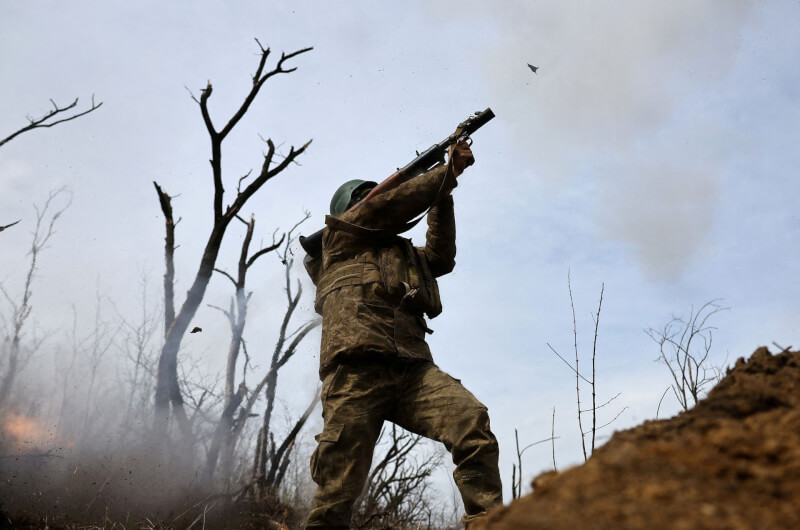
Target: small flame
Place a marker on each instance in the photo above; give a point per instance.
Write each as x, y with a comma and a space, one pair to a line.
25, 431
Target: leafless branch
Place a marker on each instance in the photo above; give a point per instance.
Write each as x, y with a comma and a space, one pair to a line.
553, 438
603, 405
660, 400
578, 376
98, 492
9, 225
167, 389
43, 232
241, 179
612, 419
516, 487
577, 368
233, 281
259, 78
687, 364
165, 201
265, 250
228, 429
246, 360
267, 173
396, 491
594, 357
42, 122
567, 363
225, 312
274, 476
781, 348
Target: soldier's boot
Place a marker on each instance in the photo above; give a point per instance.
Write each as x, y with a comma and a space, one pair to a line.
475, 454
339, 466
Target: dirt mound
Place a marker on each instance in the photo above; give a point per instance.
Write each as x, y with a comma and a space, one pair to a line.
731, 462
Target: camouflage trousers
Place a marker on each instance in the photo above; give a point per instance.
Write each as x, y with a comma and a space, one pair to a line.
418, 396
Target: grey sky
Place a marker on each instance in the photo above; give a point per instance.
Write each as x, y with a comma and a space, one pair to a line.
655, 151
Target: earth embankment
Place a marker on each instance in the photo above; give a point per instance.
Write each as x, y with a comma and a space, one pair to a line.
733, 461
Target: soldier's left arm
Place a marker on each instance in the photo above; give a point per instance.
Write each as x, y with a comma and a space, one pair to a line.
440, 239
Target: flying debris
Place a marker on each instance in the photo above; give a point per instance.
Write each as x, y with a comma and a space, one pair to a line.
533, 68
196, 330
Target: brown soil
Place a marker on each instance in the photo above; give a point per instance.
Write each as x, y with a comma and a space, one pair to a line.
731, 462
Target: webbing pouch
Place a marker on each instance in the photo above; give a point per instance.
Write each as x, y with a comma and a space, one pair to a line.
357, 271
407, 278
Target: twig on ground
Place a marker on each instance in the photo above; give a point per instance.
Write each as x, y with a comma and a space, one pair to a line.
96, 495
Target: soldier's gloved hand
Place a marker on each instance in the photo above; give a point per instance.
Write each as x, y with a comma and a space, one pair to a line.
462, 157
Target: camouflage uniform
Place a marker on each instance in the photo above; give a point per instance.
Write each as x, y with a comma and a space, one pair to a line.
373, 289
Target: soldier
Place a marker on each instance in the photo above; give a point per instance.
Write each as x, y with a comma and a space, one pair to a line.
373, 290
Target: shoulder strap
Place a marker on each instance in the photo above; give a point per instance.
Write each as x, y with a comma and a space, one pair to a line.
380, 234
367, 233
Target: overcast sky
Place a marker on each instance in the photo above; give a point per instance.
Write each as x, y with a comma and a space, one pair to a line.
655, 151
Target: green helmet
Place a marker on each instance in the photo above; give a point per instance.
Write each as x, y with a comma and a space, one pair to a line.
341, 199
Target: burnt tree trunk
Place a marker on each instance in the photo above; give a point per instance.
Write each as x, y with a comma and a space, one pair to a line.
168, 393
268, 478
237, 318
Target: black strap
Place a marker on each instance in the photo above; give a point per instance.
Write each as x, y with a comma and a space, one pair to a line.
375, 234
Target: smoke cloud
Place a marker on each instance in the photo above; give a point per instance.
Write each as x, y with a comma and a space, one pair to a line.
621, 100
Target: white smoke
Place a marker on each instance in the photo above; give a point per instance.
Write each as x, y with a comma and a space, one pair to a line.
619, 97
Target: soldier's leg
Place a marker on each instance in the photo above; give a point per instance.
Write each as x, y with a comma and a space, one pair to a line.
354, 402
436, 405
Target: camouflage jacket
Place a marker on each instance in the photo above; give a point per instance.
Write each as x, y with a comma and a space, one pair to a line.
372, 291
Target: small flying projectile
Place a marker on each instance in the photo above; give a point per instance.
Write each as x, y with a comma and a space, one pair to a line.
196, 330
533, 68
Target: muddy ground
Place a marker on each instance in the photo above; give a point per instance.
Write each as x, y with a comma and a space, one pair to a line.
732, 462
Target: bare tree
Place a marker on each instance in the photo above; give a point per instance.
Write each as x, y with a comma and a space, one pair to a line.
580, 377
86, 394
684, 347
15, 357
53, 117
270, 459
167, 389
203, 396
138, 347
101, 339
237, 318
398, 490
516, 480
66, 366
